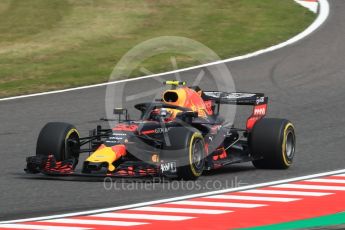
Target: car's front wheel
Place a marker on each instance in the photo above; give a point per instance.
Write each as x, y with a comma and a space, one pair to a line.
59, 139
187, 149
195, 158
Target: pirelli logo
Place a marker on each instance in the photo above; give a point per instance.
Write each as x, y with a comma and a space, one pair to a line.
260, 110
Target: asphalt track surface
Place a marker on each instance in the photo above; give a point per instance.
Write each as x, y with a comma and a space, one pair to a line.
305, 82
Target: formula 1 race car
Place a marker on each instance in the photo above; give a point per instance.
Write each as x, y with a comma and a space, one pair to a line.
178, 136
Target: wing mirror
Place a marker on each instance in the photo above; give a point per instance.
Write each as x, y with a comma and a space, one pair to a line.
121, 112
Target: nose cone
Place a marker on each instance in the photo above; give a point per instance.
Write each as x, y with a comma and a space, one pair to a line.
108, 155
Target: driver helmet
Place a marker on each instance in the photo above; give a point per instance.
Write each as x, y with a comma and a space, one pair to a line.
161, 113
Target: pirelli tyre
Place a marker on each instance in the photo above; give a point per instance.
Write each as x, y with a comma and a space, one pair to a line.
273, 143
59, 139
187, 149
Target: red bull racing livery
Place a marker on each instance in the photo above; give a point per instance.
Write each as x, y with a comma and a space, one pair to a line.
180, 136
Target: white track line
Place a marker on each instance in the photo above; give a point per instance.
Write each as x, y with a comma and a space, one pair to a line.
217, 204
137, 205
316, 187
283, 192
340, 175
323, 15
39, 227
182, 210
94, 222
255, 198
336, 181
142, 216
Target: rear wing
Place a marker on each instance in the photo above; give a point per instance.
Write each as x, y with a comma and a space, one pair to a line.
258, 100
237, 98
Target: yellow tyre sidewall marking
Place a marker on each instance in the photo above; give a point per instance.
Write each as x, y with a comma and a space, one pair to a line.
69, 133
195, 135
286, 161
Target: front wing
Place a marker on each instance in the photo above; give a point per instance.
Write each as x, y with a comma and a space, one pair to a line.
48, 165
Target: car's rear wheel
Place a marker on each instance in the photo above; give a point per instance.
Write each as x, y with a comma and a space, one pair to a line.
273, 143
59, 139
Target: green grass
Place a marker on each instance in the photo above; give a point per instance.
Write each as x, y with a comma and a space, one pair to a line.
333, 221
53, 44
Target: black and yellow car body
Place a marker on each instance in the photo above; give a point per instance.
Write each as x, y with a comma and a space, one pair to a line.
180, 136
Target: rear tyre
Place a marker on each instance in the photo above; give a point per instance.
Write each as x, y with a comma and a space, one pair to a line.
59, 139
273, 143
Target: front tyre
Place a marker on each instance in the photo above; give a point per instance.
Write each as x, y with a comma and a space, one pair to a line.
59, 139
273, 143
187, 149
195, 158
